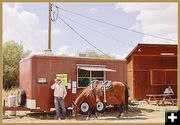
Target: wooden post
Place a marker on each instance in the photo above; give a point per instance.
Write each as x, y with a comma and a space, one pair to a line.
178, 83
4, 104
49, 28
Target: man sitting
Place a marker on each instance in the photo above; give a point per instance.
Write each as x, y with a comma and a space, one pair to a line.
168, 90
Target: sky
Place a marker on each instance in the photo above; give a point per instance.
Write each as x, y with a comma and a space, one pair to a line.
28, 23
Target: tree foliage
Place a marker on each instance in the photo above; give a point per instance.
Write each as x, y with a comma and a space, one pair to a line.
92, 53
12, 54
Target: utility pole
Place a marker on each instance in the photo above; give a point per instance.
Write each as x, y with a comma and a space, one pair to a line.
49, 51
49, 27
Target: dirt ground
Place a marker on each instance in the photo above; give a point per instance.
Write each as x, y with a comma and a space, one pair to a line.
143, 113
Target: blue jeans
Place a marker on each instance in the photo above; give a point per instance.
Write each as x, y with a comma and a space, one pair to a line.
59, 103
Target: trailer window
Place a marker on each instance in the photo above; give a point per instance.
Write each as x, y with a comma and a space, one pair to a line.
85, 77
98, 75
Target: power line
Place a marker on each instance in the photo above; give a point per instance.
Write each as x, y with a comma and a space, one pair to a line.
82, 37
113, 25
103, 34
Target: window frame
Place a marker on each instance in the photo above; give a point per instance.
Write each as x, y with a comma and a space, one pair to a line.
165, 71
81, 65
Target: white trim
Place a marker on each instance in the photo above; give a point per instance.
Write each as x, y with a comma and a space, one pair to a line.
80, 65
167, 54
96, 68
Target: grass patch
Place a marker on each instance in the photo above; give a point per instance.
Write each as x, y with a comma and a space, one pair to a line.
8, 92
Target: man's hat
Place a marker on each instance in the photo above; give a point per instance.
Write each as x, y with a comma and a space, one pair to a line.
58, 79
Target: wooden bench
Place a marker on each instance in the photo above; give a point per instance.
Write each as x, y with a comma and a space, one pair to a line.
160, 98
173, 101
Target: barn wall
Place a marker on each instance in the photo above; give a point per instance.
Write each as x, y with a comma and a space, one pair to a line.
130, 64
141, 84
152, 74
130, 83
155, 62
130, 77
155, 49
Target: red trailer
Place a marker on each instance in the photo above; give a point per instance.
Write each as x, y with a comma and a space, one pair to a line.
37, 74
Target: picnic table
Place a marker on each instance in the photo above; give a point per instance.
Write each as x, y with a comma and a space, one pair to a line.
160, 98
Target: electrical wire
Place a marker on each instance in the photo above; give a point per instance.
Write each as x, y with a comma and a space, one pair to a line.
103, 34
113, 25
82, 37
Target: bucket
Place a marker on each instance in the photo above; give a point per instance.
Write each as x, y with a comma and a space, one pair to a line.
12, 103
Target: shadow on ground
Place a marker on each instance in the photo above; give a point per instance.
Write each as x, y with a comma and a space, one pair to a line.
134, 113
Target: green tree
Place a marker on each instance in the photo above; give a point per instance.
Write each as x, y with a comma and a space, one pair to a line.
92, 53
12, 54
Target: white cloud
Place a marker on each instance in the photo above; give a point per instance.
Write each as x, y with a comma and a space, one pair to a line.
23, 26
93, 10
18, 6
131, 7
117, 56
137, 26
158, 19
72, 54
65, 50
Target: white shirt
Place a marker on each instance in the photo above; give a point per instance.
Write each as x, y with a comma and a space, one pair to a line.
59, 90
168, 91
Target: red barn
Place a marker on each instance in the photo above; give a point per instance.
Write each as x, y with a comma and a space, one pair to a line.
151, 68
37, 74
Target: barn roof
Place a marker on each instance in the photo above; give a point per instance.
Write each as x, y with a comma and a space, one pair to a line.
154, 47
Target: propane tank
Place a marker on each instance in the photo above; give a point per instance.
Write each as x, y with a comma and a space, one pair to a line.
12, 103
